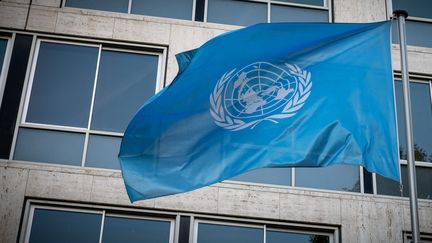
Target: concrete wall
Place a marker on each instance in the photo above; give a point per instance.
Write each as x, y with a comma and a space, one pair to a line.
362, 218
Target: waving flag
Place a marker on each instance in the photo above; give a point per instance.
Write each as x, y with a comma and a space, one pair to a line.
270, 95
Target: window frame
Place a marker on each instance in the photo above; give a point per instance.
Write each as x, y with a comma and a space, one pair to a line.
414, 78
327, 5
159, 51
129, 10
6, 60
32, 205
331, 232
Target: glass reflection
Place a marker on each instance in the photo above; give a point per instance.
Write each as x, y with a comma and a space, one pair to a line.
52, 226
102, 152
118, 229
421, 119
125, 82
339, 177
104, 5
282, 13
284, 237
214, 233
236, 12
3, 45
62, 85
275, 176
179, 9
417, 8
310, 2
49, 146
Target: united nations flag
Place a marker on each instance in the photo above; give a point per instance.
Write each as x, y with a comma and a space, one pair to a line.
270, 95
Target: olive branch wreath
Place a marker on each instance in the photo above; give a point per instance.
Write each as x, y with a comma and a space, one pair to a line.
225, 121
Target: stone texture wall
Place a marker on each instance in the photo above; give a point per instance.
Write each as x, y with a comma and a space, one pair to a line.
362, 218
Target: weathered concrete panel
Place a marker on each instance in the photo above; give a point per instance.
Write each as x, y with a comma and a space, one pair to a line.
84, 25
370, 221
354, 11
12, 187
248, 203
310, 208
203, 200
12, 15
141, 31
425, 217
183, 38
111, 190
42, 19
419, 59
55, 185
17, 1
48, 3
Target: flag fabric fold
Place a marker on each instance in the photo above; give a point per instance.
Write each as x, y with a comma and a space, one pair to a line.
269, 95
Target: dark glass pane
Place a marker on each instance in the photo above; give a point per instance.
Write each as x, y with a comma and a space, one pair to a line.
125, 82
236, 12
276, 176
336, 177
130, 230
421, 118
104, 5
281, 13
417, 33
3, 45
199, 10
12, 91
310, 2
213, 233
63, 85
390, 187
415, 8
285, 237
102, 152
49, 146
367, 181
52, 226
178, 9
424, 182
184, 229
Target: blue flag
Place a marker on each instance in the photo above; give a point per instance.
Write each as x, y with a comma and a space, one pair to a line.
269, 95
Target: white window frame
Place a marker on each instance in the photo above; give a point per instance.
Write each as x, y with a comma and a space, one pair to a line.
407, 237
327, 5
260, 224
413, 79
6, 61
160, 52
32, 205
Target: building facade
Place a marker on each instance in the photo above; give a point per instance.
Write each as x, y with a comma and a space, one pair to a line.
74, 72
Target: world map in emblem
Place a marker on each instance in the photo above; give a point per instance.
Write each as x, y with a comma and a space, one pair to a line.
259, 92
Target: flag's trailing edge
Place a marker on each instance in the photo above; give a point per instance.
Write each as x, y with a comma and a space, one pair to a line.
270, 95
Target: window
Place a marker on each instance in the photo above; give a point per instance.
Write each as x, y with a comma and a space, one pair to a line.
235, 12
251, 12
3, 64
79, 101
61, 224
422, 131
424, 238
418, 24
178, 9
213, 231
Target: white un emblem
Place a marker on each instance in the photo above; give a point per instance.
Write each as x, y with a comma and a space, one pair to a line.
259, 92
